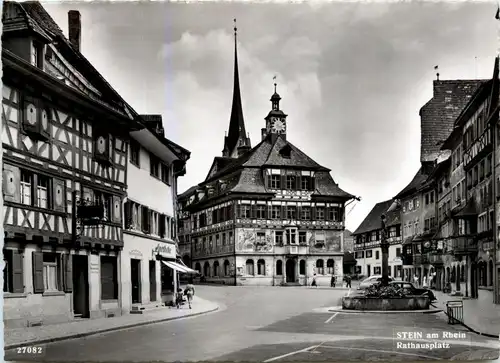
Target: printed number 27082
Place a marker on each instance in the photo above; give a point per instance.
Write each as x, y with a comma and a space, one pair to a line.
29, 350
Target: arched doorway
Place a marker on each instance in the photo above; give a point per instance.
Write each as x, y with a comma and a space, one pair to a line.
206, 269
198, 267
290, 270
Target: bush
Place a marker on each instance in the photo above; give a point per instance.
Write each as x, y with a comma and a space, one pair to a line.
391, 291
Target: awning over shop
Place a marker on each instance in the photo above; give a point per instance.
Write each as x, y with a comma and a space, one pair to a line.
408, 240
178, 267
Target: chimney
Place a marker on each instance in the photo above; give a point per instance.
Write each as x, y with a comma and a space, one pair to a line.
75, 29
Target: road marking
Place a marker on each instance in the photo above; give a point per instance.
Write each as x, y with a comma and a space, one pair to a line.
331, 318
289, 354
384, 351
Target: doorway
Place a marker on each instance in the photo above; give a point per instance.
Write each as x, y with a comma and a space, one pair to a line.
152, 281
368, 270
81, 286
135, 279
290, 270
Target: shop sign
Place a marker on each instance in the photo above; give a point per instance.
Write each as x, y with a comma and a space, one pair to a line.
164, 250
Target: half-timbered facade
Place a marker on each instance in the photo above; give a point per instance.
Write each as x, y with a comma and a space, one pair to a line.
64, 137
154, 164
266, 215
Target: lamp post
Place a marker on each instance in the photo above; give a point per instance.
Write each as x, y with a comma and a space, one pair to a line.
384, 246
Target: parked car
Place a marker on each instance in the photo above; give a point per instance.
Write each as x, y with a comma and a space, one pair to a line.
412, 290
372, 280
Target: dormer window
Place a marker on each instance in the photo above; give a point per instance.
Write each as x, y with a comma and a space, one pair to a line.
37, 54
286, 151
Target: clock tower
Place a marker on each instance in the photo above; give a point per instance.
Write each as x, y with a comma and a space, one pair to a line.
276, 119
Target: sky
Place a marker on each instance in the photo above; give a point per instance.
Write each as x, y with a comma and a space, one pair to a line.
352, 76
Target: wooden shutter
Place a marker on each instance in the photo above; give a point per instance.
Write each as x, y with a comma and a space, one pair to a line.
313, 183
162, 228
11, 183
128, 214
58, 195
17, 272
253, 211
67, 263
38, 285
117, 209
145, 219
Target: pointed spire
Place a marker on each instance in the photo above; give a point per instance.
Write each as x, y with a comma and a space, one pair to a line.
237, 133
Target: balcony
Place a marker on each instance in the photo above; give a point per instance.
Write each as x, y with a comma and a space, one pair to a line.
420, 259
463, 246
436, 259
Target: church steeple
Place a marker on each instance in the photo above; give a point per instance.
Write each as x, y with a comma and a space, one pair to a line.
236, 142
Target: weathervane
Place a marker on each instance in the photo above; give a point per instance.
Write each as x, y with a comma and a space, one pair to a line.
436, 68
274, 79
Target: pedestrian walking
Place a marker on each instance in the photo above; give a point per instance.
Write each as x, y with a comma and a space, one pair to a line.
189, 292
179, 298
415, 280
333, 281
424, 282
348, 280
314, 283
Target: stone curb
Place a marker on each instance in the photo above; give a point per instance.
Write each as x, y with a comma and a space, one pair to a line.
340, 310
100, 331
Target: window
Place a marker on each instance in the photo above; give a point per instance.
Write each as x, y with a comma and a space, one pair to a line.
226, 267
165, 174
330, 264
223, 239
306, 213
307, 182
26, 183
51, 272
261, 268
109, 280
398, 252
216, 268
291, 212
377, 255
334, 214
245, 211
320, 213
217, 238
278, 238
154, 166
279, 267
261, 237
275, 181
42, 192
291, 182
249, 267
13, 271
260, 212
275, 212
360, 254
302, 238
291, 236
302, 267
105, 200
37, 54
369, 254
320, 267
377, 270
135, 150
319, 236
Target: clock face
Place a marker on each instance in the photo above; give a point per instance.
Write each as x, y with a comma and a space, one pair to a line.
31, 114
101, 145
278, 126
44, 120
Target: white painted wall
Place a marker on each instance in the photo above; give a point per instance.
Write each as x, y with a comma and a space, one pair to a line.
148, 190
373, 262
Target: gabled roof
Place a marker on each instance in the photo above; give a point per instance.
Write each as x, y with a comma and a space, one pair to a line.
373, 221
36, 14
416, 183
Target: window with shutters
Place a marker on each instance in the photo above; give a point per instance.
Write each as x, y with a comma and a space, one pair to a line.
306, 213
275, 182
291, 212
245, 211
275, 212
42, 191
13, 271
52, 272
260, 211
291, 182
26, 186
109, 280
278, 238
320, 213
7, 271
302, 238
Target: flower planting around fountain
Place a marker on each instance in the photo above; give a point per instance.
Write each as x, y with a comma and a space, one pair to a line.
385, 298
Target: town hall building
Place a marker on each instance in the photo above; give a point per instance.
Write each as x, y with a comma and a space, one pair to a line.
264, 215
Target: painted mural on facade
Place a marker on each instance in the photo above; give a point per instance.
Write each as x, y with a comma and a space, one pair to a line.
325, 241
248, 241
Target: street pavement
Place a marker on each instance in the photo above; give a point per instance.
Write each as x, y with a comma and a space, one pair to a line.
276, 324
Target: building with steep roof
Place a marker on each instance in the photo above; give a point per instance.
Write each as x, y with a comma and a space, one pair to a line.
367, 240
266, 215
